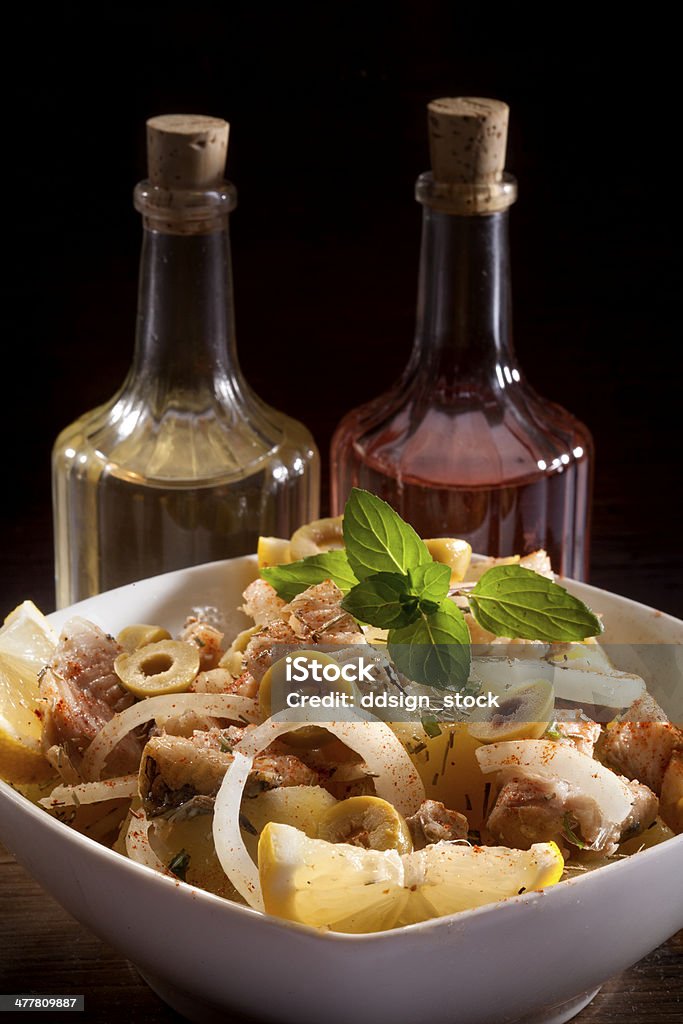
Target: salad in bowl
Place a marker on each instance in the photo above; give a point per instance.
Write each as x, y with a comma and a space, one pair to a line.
401, 732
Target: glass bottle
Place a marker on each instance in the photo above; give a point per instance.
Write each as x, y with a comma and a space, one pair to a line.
184, 464
462, 444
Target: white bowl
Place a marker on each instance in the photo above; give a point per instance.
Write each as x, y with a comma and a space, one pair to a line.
539, 957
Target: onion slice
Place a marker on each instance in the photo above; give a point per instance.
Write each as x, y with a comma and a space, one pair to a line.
396, 780
219, 705
579, 684
91, 792
579, 775
138, 846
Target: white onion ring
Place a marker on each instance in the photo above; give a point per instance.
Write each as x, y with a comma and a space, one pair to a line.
576, 683
138, 846
220, 705
396, 781
91, 792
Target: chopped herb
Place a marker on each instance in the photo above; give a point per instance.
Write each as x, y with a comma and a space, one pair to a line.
247, 825
520, 891
226, 747
552, 732
431, 727
568, 826
487, 795
199, 642
179, 864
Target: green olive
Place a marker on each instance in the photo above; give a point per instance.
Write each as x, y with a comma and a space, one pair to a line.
167, 666
233, 659
275, 687
522, 714
320, 535
140, 634
366, 821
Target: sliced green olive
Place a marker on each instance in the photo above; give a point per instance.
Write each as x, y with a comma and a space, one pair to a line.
275, 687
167, 666
454, 553
523, 714
320, 535
366, 821
140, 634
233, 659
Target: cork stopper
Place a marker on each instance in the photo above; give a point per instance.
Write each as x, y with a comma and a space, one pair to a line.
186, 150
467, 139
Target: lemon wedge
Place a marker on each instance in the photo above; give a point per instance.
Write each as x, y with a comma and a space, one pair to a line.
28, 637
272, 551
452, 552
21, 710
349, 889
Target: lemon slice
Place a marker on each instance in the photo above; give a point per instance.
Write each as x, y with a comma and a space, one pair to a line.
272, 551
21, 711
28, 637
349, 889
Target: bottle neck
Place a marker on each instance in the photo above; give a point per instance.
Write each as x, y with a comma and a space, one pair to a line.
185, 331
463, 321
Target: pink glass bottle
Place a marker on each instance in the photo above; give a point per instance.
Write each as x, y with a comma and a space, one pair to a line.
462, 445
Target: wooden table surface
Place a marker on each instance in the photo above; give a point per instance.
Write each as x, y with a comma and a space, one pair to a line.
44, 950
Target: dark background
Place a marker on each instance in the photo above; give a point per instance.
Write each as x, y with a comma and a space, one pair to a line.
328, 132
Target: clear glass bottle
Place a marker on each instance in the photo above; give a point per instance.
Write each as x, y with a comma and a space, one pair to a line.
184, 464
462, 444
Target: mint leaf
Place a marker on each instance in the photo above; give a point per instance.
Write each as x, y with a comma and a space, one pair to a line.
435, 649
430, 583
512, 601
377, 539
290, 580
383, 600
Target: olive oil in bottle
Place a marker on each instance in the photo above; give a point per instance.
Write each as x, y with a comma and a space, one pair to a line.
184, 464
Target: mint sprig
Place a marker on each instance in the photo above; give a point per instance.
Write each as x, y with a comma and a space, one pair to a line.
510, 600
390, 580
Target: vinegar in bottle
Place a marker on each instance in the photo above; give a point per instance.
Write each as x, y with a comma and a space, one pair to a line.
462, 445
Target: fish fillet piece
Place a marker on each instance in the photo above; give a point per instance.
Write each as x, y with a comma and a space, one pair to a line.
434, 823
83, 693
177, 770
642, 744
